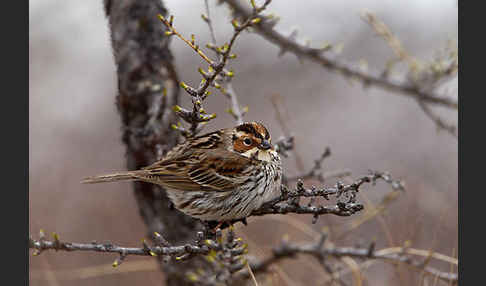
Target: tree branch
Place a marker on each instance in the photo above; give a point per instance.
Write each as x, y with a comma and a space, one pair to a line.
288, 201
224, 255
290, 250
231, 250
42, 245
216, 70
439, 122
427, 75
331, 62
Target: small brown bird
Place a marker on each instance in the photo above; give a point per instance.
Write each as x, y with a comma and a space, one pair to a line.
220, 176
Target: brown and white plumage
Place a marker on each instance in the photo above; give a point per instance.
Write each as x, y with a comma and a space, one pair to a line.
222, 175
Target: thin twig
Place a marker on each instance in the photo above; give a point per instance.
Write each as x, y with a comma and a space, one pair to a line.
227, 90
282, 115
439, 122
210, 23
215, 71
251, 274
316, 172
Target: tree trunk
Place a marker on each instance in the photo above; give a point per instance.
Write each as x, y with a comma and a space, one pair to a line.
145, 69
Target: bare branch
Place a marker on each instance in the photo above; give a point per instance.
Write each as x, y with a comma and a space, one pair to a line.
330, 61
288, 201
290, 250
227, 254
42, 245
427, 75
208, 20
223, 255
439, 122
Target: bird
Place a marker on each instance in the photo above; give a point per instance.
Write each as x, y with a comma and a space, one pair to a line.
220, 176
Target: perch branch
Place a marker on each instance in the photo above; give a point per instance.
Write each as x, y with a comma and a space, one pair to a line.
288, 201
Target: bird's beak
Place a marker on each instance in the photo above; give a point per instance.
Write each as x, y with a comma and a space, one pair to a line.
265, 145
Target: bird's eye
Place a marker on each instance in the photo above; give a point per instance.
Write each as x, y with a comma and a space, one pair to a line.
247, 141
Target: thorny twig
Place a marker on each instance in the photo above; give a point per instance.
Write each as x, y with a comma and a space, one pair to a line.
332, 62
288, 201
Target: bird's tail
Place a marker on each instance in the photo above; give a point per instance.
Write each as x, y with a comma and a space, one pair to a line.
121, 176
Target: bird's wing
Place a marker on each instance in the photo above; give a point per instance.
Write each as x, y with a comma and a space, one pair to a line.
211, 169
185, 150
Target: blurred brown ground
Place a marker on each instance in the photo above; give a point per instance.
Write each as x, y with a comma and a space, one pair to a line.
74, 131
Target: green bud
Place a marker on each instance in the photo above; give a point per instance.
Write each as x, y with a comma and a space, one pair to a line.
55, 236
256, 20
184, 85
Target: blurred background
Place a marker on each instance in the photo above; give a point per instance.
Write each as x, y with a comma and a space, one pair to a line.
74, 131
